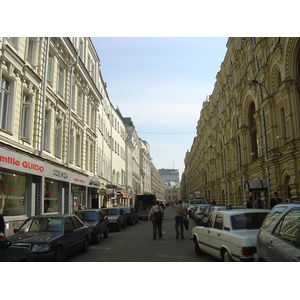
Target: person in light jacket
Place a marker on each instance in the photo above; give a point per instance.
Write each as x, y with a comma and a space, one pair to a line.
180, 213
157, 224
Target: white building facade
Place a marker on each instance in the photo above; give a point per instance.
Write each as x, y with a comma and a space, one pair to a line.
61, 140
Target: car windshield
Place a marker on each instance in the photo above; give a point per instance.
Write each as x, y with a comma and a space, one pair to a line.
272, 215
87, 215
36, 224
112, 211
202, 207
248, 220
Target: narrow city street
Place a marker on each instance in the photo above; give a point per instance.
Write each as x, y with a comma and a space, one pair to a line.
135, 244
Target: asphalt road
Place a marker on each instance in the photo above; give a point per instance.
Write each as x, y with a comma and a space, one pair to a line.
136, 244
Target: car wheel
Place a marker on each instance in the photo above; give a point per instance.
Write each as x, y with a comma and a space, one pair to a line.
227, 257
86, 244
59, 254
119, 227
106, 233
125, 225
98, 237
198, 251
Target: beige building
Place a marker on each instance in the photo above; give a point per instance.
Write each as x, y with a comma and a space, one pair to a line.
247, 139
172, 193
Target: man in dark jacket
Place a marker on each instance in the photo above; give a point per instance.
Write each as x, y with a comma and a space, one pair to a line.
275, 200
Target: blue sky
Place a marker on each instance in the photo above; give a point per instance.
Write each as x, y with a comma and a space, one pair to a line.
161, 84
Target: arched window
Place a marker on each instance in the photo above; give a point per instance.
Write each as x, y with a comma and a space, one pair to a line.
253, 132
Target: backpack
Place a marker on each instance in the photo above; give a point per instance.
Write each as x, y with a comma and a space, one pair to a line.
157, 215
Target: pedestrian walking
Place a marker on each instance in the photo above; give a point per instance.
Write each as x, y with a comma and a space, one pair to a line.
275, 200
258, 203
250, 202
156, 215
180, 213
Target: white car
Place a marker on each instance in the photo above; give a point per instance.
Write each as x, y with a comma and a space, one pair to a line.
230, 235
199, 211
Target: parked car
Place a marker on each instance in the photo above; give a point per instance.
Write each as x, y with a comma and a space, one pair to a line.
279, 237
199, 211
131, 215
192, 210
52, 237
9, 253
96, 220
213, 208
116, 217
205, 214
230, 235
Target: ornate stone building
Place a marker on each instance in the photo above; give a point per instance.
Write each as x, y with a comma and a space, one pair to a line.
247, 139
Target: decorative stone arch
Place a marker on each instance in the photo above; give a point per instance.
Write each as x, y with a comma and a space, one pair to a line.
291, 56
246, 106
276, 78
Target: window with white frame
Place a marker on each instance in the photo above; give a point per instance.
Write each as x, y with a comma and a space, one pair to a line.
79, 103
71, 147
14, 41
5, 103
87, 154
26, 117
58, 137
91, 66
81, 49
50, 68
88, 108
93, 118
73, 99
92, 155
47, 130
60, 80
78, 150
31, 50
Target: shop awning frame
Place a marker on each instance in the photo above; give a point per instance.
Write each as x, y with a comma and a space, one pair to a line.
256, 185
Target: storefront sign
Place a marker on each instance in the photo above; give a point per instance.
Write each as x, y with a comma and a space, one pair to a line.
60, 174
111, 186
102, 192
24, 164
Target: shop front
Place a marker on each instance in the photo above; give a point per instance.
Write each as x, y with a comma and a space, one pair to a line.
31, 186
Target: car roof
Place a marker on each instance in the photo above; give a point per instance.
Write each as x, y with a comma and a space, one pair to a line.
240, 211
296, 204
53, 216
89, 209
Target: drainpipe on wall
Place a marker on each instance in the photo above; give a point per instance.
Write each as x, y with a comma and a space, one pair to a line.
44, 97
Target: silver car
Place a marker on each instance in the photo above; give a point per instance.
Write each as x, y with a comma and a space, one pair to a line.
279, 237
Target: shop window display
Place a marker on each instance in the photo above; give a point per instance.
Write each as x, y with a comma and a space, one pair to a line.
51, 196
12, 194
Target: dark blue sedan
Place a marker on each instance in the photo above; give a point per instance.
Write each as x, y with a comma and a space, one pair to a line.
52, 237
